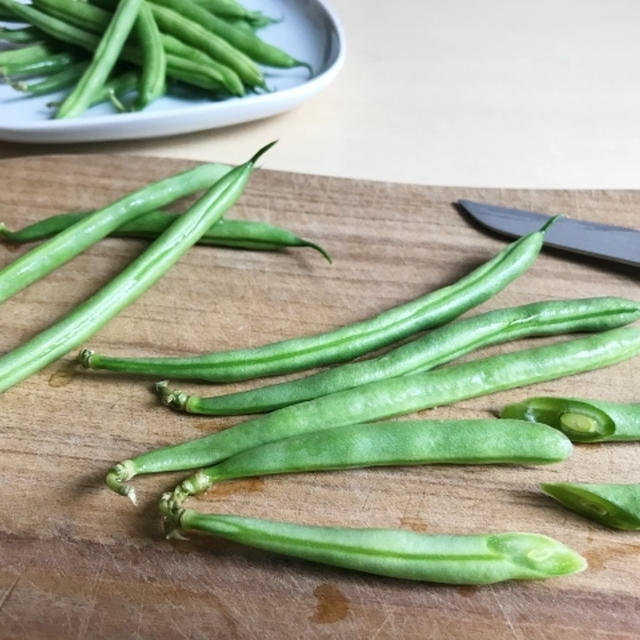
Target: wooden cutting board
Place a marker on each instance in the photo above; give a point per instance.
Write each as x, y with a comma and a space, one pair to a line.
77, 561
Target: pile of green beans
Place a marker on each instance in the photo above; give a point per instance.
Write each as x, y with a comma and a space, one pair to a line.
430, 310
451, 559
128, 285
435, 348
208, 44
387, 398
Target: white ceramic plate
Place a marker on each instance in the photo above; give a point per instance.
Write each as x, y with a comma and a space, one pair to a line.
309, 31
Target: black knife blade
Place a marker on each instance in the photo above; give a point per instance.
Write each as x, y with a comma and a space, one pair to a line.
609, 242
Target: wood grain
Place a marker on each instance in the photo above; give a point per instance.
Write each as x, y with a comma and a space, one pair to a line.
77, 561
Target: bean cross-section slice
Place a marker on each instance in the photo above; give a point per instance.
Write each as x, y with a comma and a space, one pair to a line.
581, 419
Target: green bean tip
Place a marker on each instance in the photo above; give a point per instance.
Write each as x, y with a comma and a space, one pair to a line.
256, 156
549, 223
84, 358
320, 250
118, 475
173, 398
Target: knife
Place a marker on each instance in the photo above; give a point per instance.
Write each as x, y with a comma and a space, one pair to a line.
619, 244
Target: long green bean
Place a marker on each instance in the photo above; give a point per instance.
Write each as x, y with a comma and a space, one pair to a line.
408, 442
243, 234
104, 59
55, 82
386, 398
581, 419
613, 505
68, 243
129, 284
430, 310
154, 67
437, 347
452, 559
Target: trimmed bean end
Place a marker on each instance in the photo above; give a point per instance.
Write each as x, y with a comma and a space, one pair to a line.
84, 358
173, 398
118, 475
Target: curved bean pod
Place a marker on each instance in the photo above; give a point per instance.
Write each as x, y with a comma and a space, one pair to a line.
386, 398
69, 243
613, 505
437, 347
581, 420
430, 310
242, 234
407, 442
129, 284
154, 67
451, 559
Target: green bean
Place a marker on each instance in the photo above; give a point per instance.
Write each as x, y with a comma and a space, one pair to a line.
580, 419
129, 284
56, 251
386, 398
103, 61
53, 64
193, 34
154, 68
50, 84
20, 36
347, 342
438, 347
613, 505
28, 54
255, 48
476, 559
408, 442
244, 234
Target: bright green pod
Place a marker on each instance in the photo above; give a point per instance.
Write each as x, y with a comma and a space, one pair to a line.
438, 347
387, 398
581, 420
613, 505
407, 442
475, 559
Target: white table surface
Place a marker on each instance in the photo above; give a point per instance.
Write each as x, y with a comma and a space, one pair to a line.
542, 93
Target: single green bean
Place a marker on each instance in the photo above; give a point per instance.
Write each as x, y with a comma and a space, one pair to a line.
104, 59
409, 442
27, 54
233, 9
244, 234
433, 309
613, 505
53, 64
154, 67
386, 398
69, 243
580, 419
476, 559
20, 36
255, 48
437, 347
129, 284
54, 82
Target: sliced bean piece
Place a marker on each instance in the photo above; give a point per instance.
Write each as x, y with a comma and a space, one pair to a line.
613, 505
387, 398
581, 419
345, 343
452, 559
